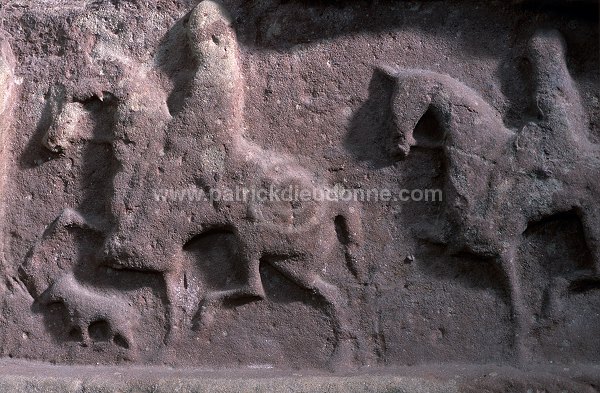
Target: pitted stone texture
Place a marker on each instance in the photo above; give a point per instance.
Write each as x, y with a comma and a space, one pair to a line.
116, 115
20, 376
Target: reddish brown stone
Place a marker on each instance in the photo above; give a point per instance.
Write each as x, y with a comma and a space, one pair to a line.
118, 116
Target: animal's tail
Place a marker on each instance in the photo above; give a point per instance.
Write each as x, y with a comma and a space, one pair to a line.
349, 230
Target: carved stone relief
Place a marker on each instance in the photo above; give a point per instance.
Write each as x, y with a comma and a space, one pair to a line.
120, 129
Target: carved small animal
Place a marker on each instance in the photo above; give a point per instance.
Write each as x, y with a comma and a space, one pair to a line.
87, 309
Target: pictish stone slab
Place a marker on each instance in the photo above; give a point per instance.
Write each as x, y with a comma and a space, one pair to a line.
334, 189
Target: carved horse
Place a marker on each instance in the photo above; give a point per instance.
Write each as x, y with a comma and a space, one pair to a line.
497, 181
204, 146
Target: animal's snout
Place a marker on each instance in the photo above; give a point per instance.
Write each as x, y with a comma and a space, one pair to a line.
399, 147
115, 249
123, 251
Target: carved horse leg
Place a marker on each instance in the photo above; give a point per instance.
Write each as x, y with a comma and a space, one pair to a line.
516, 300
251, 290
334, 301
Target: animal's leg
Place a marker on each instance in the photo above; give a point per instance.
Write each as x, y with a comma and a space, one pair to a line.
174, 307
553, 303
350, 233
252, 289
591, 226
556, 97
517, 304
335, 303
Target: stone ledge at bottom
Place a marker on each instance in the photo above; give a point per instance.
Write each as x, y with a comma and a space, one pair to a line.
34, 377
